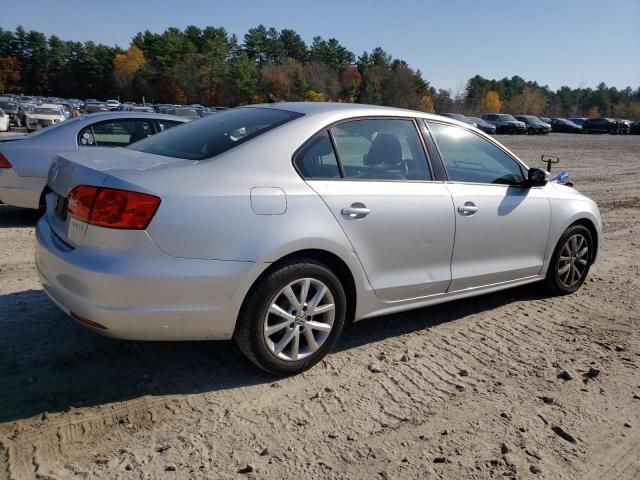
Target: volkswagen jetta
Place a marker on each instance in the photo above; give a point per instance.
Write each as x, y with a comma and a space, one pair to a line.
276, 224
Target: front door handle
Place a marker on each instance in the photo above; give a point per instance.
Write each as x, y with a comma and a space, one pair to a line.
356, 210
468, 209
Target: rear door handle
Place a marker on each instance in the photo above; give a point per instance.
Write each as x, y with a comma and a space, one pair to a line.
356, 210
468, 209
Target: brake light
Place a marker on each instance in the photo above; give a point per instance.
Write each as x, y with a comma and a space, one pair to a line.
80, 202
4, 162
112, 208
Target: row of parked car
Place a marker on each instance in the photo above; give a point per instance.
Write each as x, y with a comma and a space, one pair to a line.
36, 112
493, 123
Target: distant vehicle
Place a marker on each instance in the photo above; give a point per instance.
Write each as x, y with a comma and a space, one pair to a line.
10, 108
635, 128
578, 120
624, 126
23, 110
43, 116
601, 125
486, 127
184, 112
535, 126
135, 108
5, 122
93, 107
460, 118
112, 104
545, 119
25, 161
190, 235
562, 125
505, 123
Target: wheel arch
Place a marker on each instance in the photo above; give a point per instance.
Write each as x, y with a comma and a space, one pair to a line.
589, 225
332, 261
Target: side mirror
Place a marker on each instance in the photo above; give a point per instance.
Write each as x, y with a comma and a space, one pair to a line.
537, 177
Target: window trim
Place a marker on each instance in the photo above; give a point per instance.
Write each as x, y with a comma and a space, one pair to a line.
151, 121
523, 167
327, 128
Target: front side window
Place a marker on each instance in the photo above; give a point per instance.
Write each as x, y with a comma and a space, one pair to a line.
213, 135
388, 149
115, 133
470, 158
316, 158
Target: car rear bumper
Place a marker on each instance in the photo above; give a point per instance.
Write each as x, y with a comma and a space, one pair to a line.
148, 295
20, 191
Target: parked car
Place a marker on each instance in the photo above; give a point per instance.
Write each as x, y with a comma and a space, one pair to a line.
135, 108
184, 112
534, 125
45, 115
504, 123
578, 120
486, 127
204, 232
601, 125
25, 161
635, 128
94, 107
113, 104
10, 108
624, 126
545, 119
562, 125
5, 121
460, 118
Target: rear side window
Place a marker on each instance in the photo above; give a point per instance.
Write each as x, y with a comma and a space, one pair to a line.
316, 159
115, 133
167, 124
215, 134
470, 158
377, 149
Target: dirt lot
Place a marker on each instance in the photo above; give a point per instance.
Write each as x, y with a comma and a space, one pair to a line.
464, 390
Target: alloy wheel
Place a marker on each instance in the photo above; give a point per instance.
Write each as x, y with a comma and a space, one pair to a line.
573, 260
299, 319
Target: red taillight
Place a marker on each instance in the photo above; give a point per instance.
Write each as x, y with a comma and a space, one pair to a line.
81, 201
4, 162
112, 208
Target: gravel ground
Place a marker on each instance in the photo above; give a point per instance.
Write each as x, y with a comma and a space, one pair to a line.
470, 389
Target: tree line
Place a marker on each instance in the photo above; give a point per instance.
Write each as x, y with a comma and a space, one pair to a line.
210, 66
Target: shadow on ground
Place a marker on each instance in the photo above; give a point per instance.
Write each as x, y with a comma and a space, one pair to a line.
49, 363
14, 217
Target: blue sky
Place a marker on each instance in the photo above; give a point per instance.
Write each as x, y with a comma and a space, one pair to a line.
556, 42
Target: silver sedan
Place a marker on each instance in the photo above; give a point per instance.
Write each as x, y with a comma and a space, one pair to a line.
275, 225
25, 160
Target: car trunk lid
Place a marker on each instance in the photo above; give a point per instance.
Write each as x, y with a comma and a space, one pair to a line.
92, 168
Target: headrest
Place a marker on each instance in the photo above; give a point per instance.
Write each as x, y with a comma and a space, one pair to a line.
385, 150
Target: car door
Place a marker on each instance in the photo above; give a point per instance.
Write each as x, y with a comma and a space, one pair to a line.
374, 176
502, 226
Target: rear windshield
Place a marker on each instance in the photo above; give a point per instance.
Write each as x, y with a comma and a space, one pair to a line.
506, 118
216, 134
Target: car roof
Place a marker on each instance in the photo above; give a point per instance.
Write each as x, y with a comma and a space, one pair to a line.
346, 109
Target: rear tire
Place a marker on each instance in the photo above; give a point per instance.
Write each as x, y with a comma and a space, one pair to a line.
571, 261
292, 318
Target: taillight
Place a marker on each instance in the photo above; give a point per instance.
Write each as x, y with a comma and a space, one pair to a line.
4, 162
80, 202
112, 208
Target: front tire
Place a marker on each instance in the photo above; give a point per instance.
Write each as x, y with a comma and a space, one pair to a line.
292, 318
571, 261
